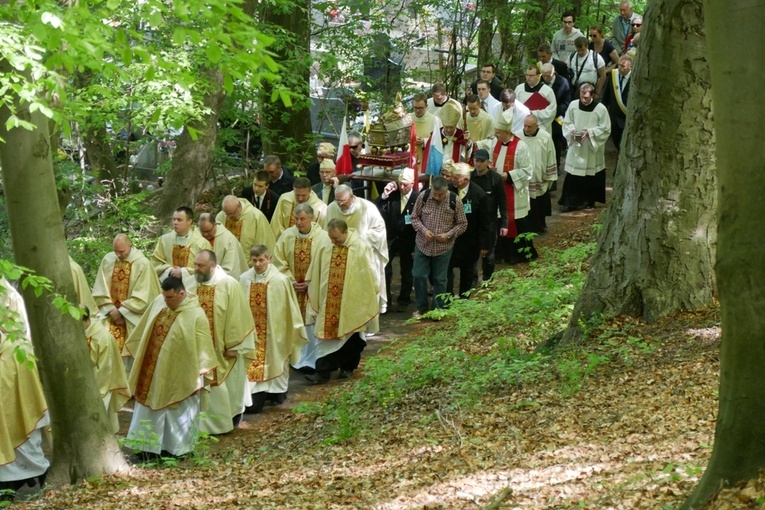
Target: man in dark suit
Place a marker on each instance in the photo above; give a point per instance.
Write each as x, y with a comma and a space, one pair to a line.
491, 182
562, 92
396, 204
544, 53
615, 94
489, 73
325, 189
260, 195
280, 179
476, 241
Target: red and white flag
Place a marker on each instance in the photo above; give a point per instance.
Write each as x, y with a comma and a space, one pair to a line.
344, 165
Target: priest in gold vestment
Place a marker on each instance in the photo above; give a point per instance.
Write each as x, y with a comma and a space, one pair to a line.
343, 304
126, 284
364, 217
107, 365
81, 286
292, 256
284, 216
225, 306
246, 222
278, 327
176, 251
174, 361
228, 251
23, 410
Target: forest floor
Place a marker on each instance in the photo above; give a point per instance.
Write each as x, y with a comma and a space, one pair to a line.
632, 429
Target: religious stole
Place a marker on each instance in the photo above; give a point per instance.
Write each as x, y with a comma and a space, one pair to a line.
292, 215
235, 227
119, 293
301, 259
159, 332
256, 370
335, 284
507, 166
206, 295
181, 255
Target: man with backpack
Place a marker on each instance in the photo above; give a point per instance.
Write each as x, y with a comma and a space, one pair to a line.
438, 222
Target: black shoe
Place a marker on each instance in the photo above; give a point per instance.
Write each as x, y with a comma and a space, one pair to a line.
275, 399
236, 420
345, 374
316, 378
258, 401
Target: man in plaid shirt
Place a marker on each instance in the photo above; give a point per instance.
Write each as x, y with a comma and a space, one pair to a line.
438, 218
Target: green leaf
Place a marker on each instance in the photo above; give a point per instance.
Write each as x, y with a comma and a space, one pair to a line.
213, 53
127, 56
149, 74
20, 353
179, 36
285, 98
112, 4
228, 83
155, 19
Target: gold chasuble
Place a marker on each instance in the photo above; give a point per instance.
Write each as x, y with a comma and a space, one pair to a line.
22, 404
225, 307
284, 215
81, 286
342, 289
181, 255
235, 227
129, 285
159, 331
278, 322
172, 349
250, 229
109, 370
292, 256
173, 250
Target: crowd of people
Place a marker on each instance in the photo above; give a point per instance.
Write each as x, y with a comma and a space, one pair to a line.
296, 271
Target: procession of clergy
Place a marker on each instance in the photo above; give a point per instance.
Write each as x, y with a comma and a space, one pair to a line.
213, 319
191, 328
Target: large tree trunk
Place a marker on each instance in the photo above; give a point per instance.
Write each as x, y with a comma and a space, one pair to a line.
286, 131
83, 444
656, 251
193, 159
739, 448
101, 157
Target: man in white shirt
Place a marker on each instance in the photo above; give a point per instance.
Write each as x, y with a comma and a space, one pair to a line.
587, 67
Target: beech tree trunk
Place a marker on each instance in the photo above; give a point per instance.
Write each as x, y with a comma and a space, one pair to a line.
83, 444
101, 157
286, 131
656, 250
739, 448
193, 159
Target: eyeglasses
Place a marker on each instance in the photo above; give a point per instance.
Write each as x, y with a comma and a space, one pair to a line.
637, 24
594, 35
568, 22
354, 146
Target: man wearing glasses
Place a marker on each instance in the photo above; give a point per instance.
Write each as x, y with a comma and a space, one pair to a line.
622, 25
563, 40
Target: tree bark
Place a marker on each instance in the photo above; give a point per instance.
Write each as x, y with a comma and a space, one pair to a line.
83, 444
101, 157
739, 448
193, 159
286, 131
656, 251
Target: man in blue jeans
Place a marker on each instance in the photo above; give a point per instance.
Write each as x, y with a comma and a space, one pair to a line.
438, 218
